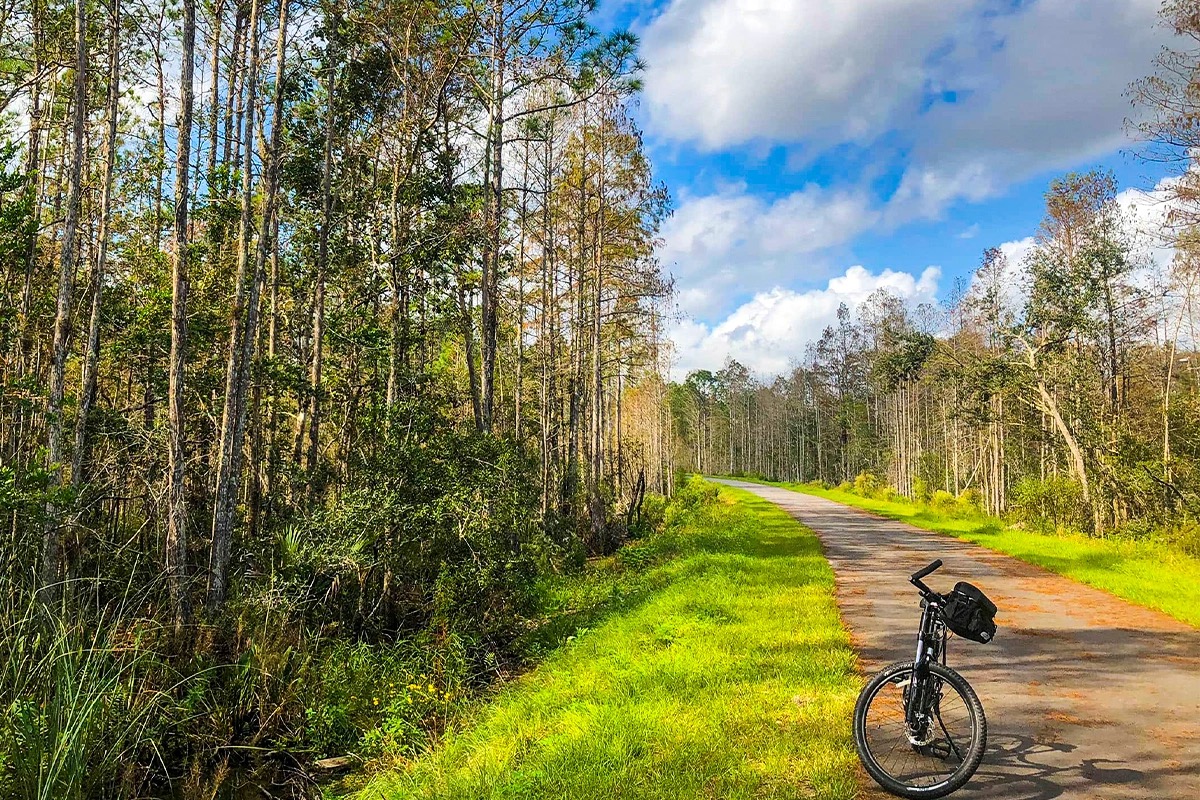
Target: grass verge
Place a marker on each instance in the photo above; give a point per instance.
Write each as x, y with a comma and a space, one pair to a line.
728, 675
1148, 573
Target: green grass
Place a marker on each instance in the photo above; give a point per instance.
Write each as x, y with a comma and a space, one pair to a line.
1148, 573
727, 675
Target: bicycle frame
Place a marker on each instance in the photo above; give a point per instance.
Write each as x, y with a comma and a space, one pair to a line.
931, 647
931, 641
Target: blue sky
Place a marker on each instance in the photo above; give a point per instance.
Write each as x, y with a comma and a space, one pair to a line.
819, 149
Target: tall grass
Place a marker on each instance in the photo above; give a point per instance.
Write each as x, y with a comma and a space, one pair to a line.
76, 698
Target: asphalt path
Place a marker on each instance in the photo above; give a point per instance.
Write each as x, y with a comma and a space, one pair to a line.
1086, 695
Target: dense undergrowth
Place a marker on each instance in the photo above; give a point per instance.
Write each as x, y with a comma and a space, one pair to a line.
359, 628
1154, 566
707, 660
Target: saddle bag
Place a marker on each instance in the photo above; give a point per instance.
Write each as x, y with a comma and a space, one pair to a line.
969, 613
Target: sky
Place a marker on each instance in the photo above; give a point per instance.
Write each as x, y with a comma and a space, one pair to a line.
817, 150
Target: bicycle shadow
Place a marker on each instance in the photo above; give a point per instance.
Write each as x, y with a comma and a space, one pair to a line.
1018, 767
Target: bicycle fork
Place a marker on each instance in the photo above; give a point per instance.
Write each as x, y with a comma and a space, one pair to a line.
918, 712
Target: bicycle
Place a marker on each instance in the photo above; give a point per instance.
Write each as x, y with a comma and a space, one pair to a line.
919, 727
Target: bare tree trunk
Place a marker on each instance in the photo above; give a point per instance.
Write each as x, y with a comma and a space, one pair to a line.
394, 334
241, 337
235, 80
176, 544
490, 282
318, 328
87, 387
214, 97
33, 168
1076, 461
517, 394
51, 544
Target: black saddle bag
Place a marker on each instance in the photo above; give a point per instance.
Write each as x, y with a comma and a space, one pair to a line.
969, 613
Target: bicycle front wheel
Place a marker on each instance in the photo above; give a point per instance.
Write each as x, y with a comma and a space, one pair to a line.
938, 754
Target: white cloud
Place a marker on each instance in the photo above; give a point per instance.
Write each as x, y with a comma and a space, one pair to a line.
727, 72
1040, 89
1147, 214
723, 244
1035, 87
770, 331
1015, 253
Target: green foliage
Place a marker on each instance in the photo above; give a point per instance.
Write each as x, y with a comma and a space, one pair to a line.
381, 700
695, 493
733, 646
79, 700
903, 358
434, 531
868, 484
653, 514
972, 499
922, 491
1053, 504
1185, 535
943, 502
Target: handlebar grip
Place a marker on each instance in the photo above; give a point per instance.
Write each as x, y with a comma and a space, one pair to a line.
921, 573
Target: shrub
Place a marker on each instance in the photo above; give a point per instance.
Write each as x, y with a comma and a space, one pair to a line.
943, 502
1141, 528
653, 513
380, 700
436, 531
971, 498
1186, 536
694, 494
868, 484
1047, 505
922, 491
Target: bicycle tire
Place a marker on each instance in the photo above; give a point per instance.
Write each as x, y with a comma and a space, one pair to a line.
965, 769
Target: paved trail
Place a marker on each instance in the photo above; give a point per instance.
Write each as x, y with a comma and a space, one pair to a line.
1087, 696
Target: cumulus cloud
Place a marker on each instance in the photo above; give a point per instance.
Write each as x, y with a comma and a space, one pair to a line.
959, 100
1147, 214
771, 330
721, 244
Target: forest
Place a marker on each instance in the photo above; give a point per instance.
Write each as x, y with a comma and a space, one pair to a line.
335, 367
1058, 387
328, 330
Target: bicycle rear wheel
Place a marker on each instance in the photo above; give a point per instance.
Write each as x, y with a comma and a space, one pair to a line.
940, 755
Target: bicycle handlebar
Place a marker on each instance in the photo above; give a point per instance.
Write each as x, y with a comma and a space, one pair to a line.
916, 581
921, 573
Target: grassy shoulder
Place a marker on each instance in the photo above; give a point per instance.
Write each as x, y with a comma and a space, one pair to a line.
723, 671
1145, 572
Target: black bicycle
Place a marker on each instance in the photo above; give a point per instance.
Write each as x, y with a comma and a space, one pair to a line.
918, 725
